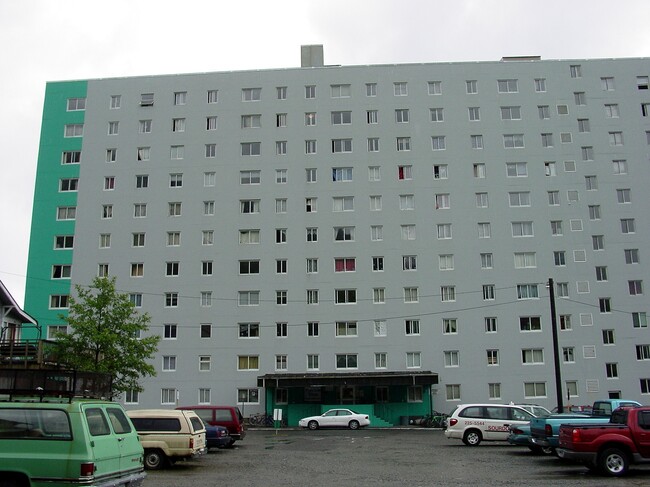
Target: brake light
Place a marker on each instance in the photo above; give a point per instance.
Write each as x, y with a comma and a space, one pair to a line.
191, 442
87, 469
575, 435
548, 430
453, 421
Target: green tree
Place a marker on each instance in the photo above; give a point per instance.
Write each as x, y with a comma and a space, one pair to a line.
106, 334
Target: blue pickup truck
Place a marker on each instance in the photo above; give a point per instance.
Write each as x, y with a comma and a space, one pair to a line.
545, 431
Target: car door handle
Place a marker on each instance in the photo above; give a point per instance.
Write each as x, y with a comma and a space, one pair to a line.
120, 439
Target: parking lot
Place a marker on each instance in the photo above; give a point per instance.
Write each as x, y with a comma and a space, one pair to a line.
404, 457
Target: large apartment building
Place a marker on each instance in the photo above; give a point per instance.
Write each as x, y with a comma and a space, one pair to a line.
378, 235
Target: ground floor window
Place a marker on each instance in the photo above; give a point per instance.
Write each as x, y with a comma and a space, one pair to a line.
414, 394
453, 392
248, 396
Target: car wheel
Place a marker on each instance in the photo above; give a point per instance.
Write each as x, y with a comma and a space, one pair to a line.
614, 462
10, 482
154, 459
354, 424
231, 444
472, 437
312, 425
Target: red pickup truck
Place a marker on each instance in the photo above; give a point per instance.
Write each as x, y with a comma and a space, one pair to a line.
609, 448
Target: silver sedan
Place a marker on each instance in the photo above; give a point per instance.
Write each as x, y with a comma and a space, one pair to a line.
336, 418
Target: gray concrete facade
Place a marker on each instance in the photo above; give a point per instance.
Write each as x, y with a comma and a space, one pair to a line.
488, 179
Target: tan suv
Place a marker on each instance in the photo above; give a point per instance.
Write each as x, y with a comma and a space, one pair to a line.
168, 435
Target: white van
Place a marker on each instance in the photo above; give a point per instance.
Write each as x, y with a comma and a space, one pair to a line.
474, 423
168, 435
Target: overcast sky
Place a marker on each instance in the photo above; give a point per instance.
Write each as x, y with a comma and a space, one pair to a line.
51, 40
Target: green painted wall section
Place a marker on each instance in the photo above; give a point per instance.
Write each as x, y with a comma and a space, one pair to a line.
47, 198
381, 414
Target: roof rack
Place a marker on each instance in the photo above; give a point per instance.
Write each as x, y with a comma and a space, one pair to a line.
63, 384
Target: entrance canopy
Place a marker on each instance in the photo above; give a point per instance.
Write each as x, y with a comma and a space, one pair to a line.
419, 378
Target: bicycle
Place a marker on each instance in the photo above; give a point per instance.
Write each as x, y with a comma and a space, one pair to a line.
435, 420
264, 420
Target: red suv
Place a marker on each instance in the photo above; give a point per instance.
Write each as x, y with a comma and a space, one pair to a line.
227, 416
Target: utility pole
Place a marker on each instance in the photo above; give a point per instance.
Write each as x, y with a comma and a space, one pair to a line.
556, 351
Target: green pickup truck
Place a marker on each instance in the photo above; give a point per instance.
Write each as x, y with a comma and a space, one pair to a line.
65, 442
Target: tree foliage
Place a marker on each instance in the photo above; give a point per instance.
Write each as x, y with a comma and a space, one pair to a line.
106, 334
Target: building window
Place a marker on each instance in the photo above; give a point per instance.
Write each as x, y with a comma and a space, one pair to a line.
547, 140
178, 125
346, 361
312, 296
516, 169
452, 392
167, 396
440, 171
310, 119
413, 360
248, 362
438, 142
624, 196
177, 152
248, 396
340, 91
527, 291
447, 293
137, 269
400, 88
205, 330
534, 390
74, 157
144, 126
532, 356
492, 357
436, 114
488, 292
251, 148
169, 363
371, 89
412, 327
490, 324
281, 147
434, 87
615, 138
116, 102
312, 328
507, 86
605, 305
522, 229
513, 141
251, 94
281, 92
643, 352
446, 262
627, 225
471, 87
249, 330
312, 266
281, 330
249, 298
486, 261
66, 213
635, 287
341, 145
530, 323
341, 118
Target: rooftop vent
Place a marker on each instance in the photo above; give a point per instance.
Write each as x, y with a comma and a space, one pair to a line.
312, 56
521, 58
